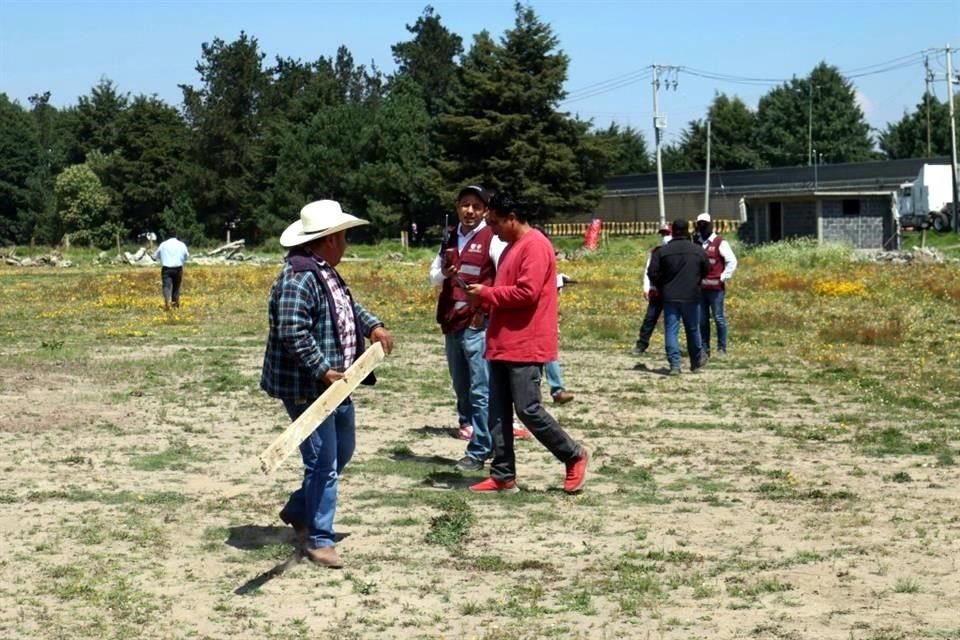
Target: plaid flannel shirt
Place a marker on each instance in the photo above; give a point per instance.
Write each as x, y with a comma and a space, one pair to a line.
304, 342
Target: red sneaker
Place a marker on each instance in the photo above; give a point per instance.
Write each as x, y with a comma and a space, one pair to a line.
521, 433
576, 474
488, 485
465, 432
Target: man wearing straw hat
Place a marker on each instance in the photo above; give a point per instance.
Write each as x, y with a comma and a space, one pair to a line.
317, 330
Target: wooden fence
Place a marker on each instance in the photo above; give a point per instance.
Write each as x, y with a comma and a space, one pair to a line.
636, 228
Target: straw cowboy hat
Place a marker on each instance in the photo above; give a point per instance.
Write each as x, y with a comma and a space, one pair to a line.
318, 219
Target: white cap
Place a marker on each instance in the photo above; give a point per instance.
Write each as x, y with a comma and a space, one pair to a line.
703, 217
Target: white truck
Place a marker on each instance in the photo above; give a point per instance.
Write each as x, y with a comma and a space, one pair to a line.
926, 202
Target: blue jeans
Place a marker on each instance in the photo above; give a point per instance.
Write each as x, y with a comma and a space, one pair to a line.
689, 314
554, 377
713, 301
471, 383
325, 453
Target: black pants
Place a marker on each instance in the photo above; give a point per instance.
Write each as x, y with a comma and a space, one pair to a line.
654, 308
516, 386
171, 278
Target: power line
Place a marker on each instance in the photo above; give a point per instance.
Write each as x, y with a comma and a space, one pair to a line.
606, 87
627, 76
639, 75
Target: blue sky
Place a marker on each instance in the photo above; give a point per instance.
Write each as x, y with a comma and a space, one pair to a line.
151, 47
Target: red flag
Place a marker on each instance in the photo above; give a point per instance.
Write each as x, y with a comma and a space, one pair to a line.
591, 239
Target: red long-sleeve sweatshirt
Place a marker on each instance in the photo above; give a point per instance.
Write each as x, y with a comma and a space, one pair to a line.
523, 303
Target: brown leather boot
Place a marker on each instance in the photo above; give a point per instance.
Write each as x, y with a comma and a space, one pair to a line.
324, 556
562, 397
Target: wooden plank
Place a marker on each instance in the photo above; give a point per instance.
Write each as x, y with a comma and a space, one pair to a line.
288, 441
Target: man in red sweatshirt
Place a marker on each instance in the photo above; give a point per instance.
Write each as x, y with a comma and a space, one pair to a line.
521, 337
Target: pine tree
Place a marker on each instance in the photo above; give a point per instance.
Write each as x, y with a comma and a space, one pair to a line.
429, 59
823, 100
224, 116
502, 126
908, 137
626, 149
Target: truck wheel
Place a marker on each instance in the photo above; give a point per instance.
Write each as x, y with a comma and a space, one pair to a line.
940, 223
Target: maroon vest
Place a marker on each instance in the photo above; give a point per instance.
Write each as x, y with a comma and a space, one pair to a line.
716, 263
475, 267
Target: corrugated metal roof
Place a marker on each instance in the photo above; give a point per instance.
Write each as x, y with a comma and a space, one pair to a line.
879, 176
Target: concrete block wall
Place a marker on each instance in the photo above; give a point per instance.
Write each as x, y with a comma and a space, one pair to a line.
864, 230
799, 220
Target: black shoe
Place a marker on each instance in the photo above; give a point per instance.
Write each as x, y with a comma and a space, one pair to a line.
469, 463
700, 363
638, 350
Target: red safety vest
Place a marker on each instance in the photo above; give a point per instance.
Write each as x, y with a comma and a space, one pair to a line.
475, 267
717, 264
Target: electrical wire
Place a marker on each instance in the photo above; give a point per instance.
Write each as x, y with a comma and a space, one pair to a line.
606, 87
627, 76
639, 75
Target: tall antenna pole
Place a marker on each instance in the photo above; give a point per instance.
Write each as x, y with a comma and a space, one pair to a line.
706, 189
953, 137
926, 100
658, 124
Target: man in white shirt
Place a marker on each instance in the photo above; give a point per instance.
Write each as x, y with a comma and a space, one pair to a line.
721, 264
172, 254
652, 296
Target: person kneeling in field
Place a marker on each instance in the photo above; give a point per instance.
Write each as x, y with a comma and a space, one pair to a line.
521, 338
317, 331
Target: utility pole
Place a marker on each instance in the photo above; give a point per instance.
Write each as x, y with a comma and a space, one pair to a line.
926, 100
658, 124
953, 138
816, 166
810, 124
706, 190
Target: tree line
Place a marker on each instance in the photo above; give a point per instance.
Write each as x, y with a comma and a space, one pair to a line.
255, 139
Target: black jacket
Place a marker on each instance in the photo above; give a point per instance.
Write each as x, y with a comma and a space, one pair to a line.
676, 270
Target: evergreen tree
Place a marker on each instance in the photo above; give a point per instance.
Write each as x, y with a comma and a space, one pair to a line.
731, 133
827, 101
97, 118
502, 126
20, 171
150, 163
398, 179
224, 116
429, 59
908, 137
626, 149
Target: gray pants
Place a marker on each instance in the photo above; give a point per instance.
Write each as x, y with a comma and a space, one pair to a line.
171, 278
516, 386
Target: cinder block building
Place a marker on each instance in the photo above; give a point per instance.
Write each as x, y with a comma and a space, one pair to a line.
853, 203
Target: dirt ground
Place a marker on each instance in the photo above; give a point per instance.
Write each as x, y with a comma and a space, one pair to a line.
740, 502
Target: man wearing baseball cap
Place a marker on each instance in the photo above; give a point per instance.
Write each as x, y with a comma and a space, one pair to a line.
317, 331
722, 264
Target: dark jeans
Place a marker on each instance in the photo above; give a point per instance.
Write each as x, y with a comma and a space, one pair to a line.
713, 303
673, 314
654, 308
515, 386
171, 278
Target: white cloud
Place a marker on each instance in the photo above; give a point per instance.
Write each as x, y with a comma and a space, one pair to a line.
864, 103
